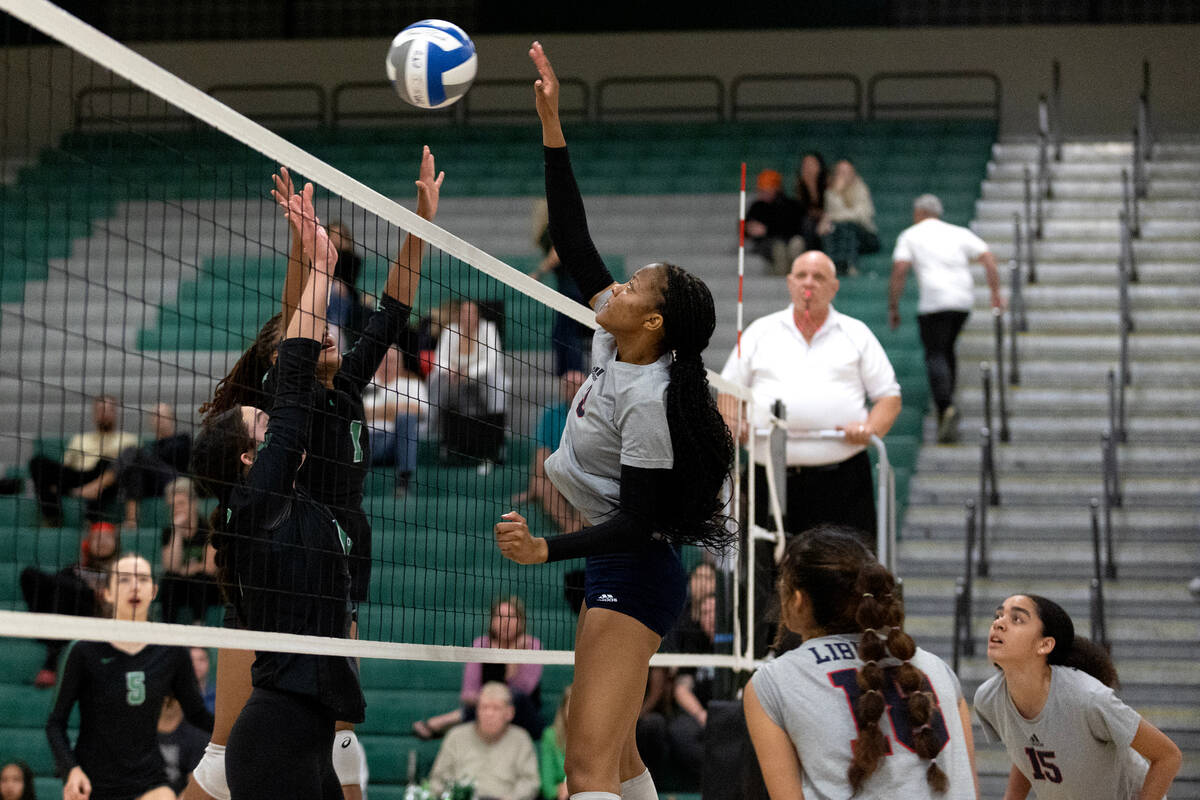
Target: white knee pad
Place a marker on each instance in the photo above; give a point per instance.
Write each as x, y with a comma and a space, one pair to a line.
210, 772
639, 788
349, 759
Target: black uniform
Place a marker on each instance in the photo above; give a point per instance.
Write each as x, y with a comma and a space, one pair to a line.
286, 555
339, 452
120, 698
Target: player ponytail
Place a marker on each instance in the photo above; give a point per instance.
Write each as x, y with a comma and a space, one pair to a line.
243, 385
702, 444
850, 592
1071, 650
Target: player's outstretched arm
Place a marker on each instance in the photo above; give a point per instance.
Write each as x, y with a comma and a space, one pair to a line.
297, 266
406, 269
545, 93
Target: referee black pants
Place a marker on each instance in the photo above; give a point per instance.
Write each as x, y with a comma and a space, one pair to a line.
281, 746
834, 494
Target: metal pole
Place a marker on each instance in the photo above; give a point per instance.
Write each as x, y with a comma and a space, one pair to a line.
1056, 116
968, 583
956, 640
983, 567
1017, 310
998, 326
989, 461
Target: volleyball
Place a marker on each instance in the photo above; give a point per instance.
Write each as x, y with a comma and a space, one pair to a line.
431, 63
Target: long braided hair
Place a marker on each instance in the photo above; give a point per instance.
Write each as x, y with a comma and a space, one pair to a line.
851, 592
243, 385
702, 444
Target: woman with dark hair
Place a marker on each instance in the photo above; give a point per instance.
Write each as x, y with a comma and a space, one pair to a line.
811, 181
16, 782
644, 458
1053, 707
282, 561
119, 688
816, 714
339, 453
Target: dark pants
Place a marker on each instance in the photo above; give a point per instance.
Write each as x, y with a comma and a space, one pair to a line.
687, 745
836, 494
56, 593
142, 474
281, 746
847, 242
939, 332
51, 480
177, 592
653, 745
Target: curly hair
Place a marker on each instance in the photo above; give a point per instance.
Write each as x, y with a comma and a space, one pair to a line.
243, 385
851, 592
1071, 650
702, 444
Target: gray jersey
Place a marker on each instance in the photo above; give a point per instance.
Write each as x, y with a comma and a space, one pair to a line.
618, 416
810, 693
1077, 748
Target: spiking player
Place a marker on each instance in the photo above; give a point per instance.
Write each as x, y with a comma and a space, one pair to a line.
644, 457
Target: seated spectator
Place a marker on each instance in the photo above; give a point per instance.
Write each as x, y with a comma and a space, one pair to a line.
201, 664
189, 565
16, 782
549, 432
492, 753
773, 223
142, 472
395, 403
506, 629
693, 688
180, 742
811, 182
848, 227
85, 459
467, 388
552, 752
72, 590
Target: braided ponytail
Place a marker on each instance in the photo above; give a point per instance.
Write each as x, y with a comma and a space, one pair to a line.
702, 444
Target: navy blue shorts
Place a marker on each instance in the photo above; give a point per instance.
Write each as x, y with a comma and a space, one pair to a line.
649, 585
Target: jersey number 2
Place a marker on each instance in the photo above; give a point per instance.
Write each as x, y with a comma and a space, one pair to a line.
897, 706
135, 688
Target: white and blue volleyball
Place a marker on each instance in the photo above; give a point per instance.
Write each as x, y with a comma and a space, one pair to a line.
431, 63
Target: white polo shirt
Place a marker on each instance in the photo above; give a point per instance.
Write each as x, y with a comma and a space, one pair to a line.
941, 255
824, 384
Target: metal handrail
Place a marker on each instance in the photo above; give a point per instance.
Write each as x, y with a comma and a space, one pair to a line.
716, 107
738, 107
575, 99
1056, 108
988, 432
1045, 191
964, 588
1016, 308
998, 327
304, 88
1116, 408
388, 112
1096, 595
1126, 274
1034, 217
1130, 205
993, 104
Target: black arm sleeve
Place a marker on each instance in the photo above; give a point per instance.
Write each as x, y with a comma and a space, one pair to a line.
70, 677
186, 689
568, 226
629, 528
382, 330
269, 485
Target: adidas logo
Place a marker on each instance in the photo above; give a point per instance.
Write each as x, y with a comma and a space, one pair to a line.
606, 598
1035, 740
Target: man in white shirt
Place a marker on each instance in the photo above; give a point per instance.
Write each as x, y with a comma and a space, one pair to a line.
941, 255
827, 368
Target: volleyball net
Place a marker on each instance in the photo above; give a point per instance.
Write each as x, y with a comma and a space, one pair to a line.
143, 252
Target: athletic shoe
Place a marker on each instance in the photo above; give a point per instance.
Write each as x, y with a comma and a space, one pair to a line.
947, 432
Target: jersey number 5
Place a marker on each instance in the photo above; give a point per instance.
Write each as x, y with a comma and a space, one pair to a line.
897, 706
135, 688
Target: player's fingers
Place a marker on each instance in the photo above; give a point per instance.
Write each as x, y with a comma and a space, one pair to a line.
513, 516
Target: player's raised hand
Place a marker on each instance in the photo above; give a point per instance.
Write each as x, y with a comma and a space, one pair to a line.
516, 542
302, 215
428, 188
545, 88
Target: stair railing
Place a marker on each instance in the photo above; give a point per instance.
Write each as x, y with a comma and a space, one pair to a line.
1112, 498
1016, 300
1129, 205
1017, 322
1001, 395
1033, 228
1056, 124
964, 587
1099, 632
1045, 190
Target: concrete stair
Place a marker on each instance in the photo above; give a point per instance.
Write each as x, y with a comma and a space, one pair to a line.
1039, 537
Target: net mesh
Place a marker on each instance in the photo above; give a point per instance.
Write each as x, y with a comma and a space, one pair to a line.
142, 254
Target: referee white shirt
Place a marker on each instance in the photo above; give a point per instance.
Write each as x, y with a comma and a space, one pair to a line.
824, 384
941, 255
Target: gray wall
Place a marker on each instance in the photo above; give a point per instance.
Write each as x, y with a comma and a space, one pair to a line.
1101, 66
